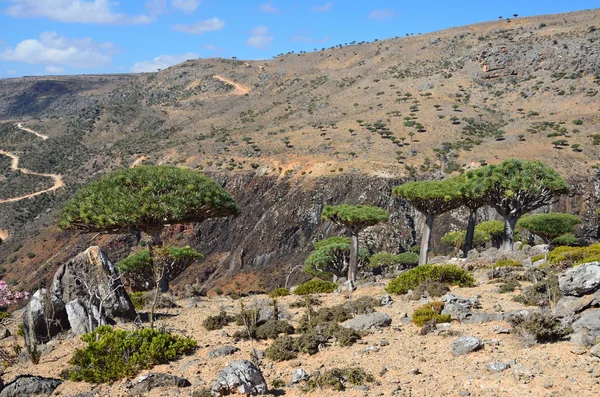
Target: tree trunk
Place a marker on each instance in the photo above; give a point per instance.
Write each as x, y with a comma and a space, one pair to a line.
353, 267
426, 239
470, 232
509, 230
155, 240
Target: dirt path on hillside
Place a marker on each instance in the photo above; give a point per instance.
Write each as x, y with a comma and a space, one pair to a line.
3, 234
239, 89
19, 126
58, 181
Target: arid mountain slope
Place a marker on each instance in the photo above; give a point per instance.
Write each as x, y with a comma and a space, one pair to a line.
397, 108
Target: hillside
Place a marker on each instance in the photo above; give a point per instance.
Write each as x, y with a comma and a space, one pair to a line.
288, 135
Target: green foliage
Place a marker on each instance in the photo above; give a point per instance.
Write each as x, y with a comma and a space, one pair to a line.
277, 292
431, 197
430, 288
337, 379
543, 292
282, 349
448, 274
540, 327
571, 256
494, 229
113, 354
509, 286
315, 287
430, 311
271, 329
549, 226
567, 239
219, 321
457, 239
355, 216
137, 299
507, 263
331, 257
146, 198
385, 259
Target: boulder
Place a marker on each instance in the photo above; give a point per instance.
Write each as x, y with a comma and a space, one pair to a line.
497, 366
298, 376
580, 280
386, 300
459, 308
78, 317
44, 317
223, 351
30, 386
465, 345
587, 327
367, 321
595, 351
240, 377
147, 382
91, 278
571, 305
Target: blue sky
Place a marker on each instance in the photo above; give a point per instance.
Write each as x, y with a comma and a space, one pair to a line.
41, 37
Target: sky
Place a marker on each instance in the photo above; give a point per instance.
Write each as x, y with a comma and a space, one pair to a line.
49, 37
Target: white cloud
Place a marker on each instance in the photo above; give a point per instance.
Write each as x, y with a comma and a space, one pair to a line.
323, 8
186, 5
53, 49
201, 27
161, 62
79, 11
156, 7
380, 15
260, 38
209, 47
11, 72
54, 69
268, 7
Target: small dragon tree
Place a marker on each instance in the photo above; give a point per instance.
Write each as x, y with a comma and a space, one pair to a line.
514, 188
354, 218
430, 198
146, 199
549, 226
473, 200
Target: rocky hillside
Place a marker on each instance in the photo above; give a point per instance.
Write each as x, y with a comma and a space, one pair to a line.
289, 135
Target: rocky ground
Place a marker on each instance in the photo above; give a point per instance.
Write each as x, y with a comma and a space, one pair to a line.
403, 362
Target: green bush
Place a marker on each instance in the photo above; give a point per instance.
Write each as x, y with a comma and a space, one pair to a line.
4, 315
315, 287
509, 286
494, 229
430, 311
457, 239
507, 263
137, 298
432, 288
277, 292
113, 354
566, 240
337, 379
447, 274
385, 259
549, 226
219, 321
330, 258
571, 256
271, 329
540, 327
282, 349
542, 292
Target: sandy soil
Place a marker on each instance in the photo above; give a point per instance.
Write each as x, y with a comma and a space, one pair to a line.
239, 89
557, 371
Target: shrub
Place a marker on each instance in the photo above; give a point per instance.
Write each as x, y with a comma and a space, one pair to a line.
430, 311
447, 274
282, 349
431, 288
137, 299
315, 287
219, 321
549, 226
542, 292
337, 379
568, 240
494, 229
331, 257
509, 286
362, 305
306, 301
271, 329
115, 354
507, 263
457, 239
571, 256
540, 327
277, 292
385, 259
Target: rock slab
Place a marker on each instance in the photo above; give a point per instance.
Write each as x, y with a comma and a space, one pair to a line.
465, 345
30, 386
241, 377
368, 321
147, 382
580, 280
223, 351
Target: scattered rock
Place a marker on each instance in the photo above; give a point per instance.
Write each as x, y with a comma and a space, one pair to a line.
497, 329
580, 280
415, 371
78, 317
298, 376
522, 373
595, 351
367, 321
386, 300
465, 345
44, 317
578, 350
30, 386
240, 377
147, 382
497, 366
223, 351
587, 326
459, 308
383, 342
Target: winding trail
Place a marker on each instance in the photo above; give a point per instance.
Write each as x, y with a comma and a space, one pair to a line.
239, 89
58, 181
